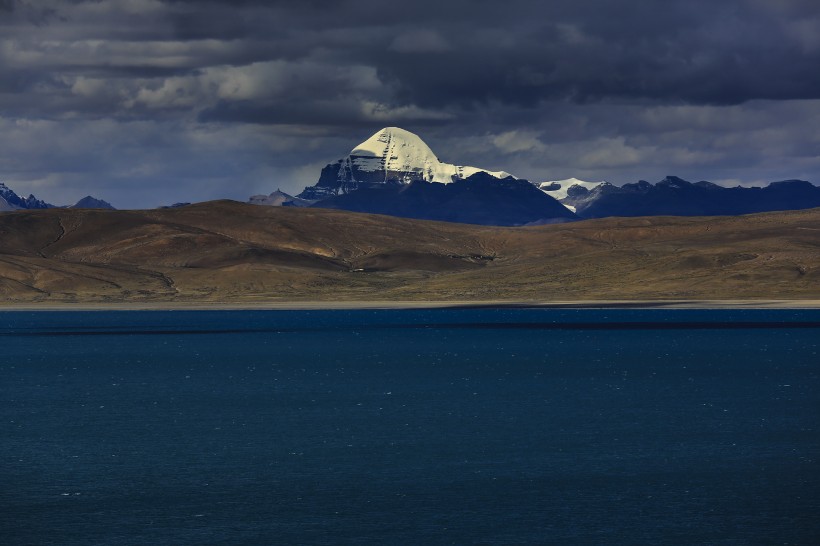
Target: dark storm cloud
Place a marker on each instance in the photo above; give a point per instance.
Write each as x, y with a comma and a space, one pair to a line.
27, 11
453, 55
595, 88
704, 53
327, 113
523, 52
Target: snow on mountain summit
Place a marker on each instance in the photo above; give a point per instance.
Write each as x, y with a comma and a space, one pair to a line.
397, 150
391, 156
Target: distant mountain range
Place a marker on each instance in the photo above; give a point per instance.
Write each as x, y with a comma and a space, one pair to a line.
395, 173
674, 196
278, 199
9, 201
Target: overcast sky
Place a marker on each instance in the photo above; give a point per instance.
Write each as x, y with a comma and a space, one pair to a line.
149, 102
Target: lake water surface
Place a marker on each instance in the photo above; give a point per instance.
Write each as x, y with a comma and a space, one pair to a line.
486, 426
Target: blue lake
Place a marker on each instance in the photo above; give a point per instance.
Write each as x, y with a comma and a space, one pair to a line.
484, 426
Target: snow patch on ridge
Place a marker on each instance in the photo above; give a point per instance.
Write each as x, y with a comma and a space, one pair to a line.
564, 185
559, 189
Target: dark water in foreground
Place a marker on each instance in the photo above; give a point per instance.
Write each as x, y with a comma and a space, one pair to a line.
395, 427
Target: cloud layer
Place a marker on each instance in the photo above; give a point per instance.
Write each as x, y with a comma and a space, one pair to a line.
144, 102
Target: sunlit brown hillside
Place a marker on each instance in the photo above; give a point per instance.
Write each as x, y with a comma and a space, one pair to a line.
230, 252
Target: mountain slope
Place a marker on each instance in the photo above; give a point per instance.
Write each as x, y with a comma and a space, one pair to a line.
479, 199
233, 252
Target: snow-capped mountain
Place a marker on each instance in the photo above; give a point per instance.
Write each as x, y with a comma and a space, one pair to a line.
561, 189
392, 156
394, 172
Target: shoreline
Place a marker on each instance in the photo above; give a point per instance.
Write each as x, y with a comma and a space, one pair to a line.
395, 305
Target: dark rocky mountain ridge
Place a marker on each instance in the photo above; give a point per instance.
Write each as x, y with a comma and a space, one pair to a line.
674, 196
9, 200
89, 202
395, 173
478, 199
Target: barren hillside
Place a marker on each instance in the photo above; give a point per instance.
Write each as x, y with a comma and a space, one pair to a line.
231, 252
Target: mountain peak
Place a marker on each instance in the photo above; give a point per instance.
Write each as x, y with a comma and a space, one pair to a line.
395, 150
89, 202
396, 136
390, 156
